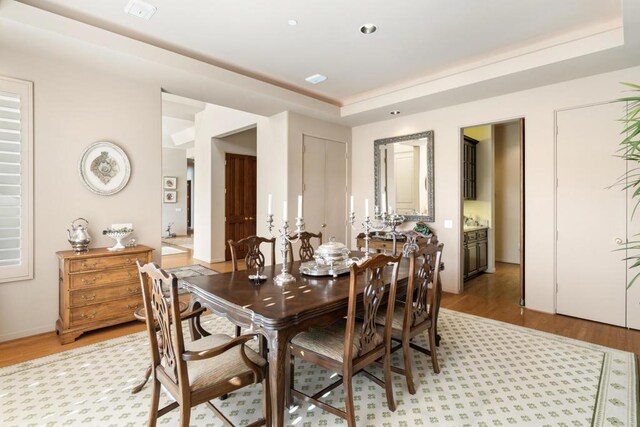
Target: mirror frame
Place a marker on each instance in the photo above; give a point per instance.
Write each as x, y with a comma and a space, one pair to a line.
430, 175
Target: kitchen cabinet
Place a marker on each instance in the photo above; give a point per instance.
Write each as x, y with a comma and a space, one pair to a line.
469, 168
476, 245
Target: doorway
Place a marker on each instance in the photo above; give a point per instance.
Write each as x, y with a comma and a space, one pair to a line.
240, 200
492, 199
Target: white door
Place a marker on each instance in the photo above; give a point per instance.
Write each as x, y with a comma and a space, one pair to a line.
591, 272
325, 187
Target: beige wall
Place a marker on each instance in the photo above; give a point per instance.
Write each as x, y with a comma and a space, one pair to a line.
174, 163
537, 106
73, 108
507, 192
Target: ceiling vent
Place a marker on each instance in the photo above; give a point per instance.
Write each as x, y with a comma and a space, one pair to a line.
140, 9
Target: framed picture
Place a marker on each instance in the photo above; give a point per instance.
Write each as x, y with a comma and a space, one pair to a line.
170, 196
104, 168
170, 182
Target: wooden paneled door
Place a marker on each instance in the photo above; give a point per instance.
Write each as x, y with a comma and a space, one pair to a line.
240, 199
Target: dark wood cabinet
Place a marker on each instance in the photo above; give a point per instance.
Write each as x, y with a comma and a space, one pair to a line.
469, 168
476, 245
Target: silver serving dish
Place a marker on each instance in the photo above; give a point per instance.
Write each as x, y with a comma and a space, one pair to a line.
331, 253
312, 268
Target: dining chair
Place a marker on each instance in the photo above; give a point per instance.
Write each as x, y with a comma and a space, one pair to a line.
254, 258
196, 372
350, 344
306, 250
419, 311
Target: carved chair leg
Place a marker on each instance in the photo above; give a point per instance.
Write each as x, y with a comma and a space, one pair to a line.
388, 384
140, 386
266, 400
432, 347
347, 381
408, 371
185, 414
155, 401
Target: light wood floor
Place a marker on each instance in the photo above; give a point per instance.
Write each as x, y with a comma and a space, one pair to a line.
494, 296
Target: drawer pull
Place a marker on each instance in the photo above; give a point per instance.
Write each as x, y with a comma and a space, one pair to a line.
133, 307
88, 298
130, 274
130, 261
89, 317
89, 264
91, 281
133, 290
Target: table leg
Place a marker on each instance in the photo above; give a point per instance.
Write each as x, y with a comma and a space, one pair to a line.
278, 371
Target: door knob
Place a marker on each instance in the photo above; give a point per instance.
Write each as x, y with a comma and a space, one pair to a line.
618, 241
323, 225
251, 218
246, 218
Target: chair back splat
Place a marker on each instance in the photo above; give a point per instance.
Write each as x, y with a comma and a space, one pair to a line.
255, 258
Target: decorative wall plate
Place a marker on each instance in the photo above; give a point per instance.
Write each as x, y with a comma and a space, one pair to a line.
104, 168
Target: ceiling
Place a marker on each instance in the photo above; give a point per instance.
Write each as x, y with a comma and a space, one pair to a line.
416, 42
178, 115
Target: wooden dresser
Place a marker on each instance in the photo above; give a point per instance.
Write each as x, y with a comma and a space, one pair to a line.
98, 288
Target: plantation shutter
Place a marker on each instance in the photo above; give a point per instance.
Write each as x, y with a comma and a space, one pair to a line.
15, 179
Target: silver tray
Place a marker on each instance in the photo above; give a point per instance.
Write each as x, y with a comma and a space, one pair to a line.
310, 268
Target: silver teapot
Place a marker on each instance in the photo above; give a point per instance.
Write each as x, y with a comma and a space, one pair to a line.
79, 236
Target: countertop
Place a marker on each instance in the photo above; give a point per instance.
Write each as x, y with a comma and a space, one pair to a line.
475, 228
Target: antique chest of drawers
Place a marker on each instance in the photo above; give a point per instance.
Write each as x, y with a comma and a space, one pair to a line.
98, 288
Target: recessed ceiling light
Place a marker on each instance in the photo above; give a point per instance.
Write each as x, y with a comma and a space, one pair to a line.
141, 9
368, 29
394, 112
292, 22
316, 78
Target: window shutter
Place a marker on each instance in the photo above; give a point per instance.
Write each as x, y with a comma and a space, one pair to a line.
15, 180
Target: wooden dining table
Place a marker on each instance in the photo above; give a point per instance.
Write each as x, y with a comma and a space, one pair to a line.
277, 312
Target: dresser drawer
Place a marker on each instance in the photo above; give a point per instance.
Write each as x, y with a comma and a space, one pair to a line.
470, 236
482, 234
94, 295
90, 264
84, 280
118, 309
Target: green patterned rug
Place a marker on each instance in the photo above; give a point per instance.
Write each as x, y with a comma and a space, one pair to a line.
492, 374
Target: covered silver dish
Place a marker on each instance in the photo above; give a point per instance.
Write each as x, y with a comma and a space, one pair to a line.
331, 253
331, 259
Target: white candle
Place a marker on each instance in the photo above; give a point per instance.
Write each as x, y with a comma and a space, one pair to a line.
299, 206
351, 211
285, 215
384, 203
269, 202
366, 207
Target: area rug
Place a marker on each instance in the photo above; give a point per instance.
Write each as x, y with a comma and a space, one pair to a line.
492, 374
190, 271
185, 242
170, 250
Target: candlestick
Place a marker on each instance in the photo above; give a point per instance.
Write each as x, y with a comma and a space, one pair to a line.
384, 203
285, 214
269, 204
299, 206
283, 234
366, 207
351, 210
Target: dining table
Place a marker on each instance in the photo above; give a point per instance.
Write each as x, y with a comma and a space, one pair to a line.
278, 312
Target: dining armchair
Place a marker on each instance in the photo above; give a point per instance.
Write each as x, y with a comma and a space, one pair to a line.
306, 250
350, 344
419, 311
196, 372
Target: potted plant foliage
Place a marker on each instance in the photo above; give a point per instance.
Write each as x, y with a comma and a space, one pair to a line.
629, 151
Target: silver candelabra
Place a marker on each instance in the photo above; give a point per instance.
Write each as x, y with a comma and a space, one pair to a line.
283, 234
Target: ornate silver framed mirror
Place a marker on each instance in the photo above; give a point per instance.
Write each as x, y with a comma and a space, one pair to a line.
404, 176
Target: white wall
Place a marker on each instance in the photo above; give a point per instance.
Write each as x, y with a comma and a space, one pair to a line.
74, 107
507, 192
174, 163
213, 121
537, 106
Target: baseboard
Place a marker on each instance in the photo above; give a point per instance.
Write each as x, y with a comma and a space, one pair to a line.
212, 261
26, 333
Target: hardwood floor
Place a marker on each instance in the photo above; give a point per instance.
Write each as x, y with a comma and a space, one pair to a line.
494, 296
